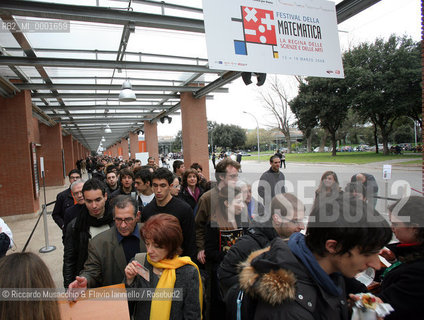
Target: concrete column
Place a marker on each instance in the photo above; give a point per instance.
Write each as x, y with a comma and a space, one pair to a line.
16, 176
133, 144
51, 150
69, 153
195, 131
124, 145
151, 137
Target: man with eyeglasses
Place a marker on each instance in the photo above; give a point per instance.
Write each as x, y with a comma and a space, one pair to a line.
226, 174
72, 212
110, 251
65, 200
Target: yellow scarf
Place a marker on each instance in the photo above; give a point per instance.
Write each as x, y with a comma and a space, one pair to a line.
161, 309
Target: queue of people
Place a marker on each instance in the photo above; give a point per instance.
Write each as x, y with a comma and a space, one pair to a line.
233, 256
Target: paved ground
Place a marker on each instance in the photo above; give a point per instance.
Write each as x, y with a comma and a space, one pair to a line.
303, 179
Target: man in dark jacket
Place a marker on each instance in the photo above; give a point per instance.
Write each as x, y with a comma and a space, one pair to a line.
112, 183
110, 251
93, 219
65, 200
370, 185
303, 279
72, 212
164, 202
271, 181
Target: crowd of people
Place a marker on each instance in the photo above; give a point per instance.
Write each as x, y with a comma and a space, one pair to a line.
235, 256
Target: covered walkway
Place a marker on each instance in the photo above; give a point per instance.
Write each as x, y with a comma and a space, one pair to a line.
60, 87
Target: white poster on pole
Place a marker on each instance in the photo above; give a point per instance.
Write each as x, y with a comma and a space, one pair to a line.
387, 171
42, 165
273, 36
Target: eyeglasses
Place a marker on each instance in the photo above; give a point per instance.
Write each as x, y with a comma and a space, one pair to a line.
232, 176
127, 220
297, 222
79, 193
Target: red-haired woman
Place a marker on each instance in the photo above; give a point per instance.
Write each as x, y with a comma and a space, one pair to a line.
165, 270
191, 190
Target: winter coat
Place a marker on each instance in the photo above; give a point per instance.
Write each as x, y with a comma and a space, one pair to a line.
64, 200
205, 206
187, 197
187, 307
284, 288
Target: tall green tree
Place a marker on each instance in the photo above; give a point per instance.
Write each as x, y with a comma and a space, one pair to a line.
325, 100
211, 126
178, 142
306, 120
265, 137
229, 136
384, 82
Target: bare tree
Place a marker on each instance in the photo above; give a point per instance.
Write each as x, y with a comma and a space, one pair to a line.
276, 101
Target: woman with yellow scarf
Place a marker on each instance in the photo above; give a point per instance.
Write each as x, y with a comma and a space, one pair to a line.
175, 283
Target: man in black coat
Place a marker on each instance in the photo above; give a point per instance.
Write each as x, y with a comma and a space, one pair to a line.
65, 200
164, 202
72, 211
271, 182
93, 219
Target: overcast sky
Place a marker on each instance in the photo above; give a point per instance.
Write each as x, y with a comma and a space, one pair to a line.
381, 20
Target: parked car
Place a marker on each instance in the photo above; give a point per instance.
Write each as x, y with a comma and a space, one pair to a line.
326, 149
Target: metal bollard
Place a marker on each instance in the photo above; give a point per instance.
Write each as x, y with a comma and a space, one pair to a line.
47, 247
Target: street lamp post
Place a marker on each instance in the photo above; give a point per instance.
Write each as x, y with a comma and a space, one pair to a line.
415, 130
257, 131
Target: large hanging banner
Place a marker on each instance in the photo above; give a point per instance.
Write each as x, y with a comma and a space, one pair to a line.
273, 36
